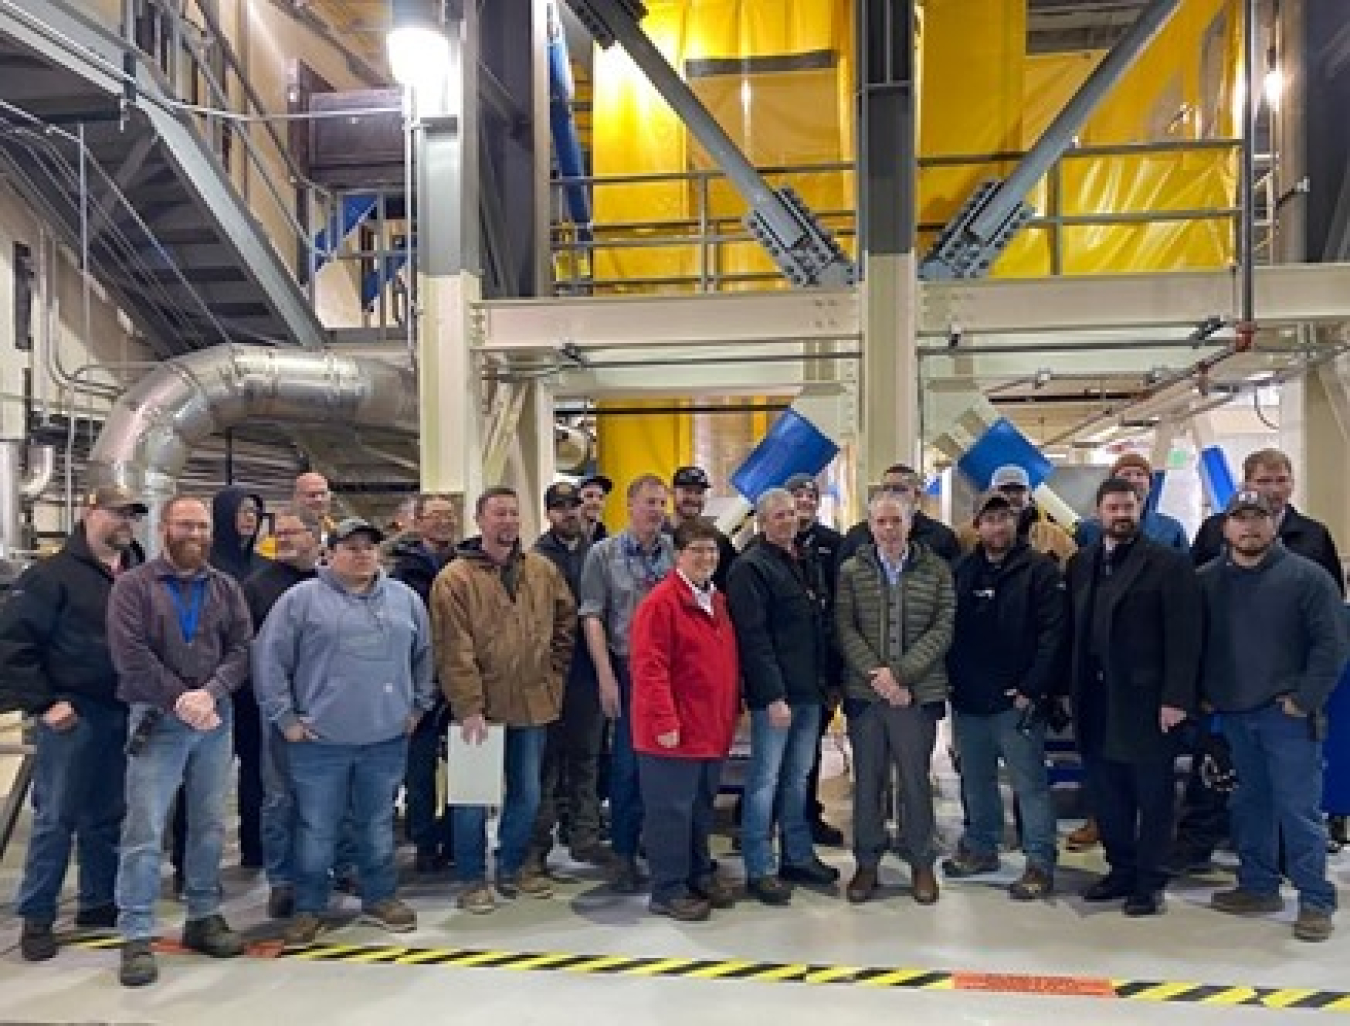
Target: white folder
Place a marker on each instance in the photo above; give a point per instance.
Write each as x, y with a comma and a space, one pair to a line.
474, 772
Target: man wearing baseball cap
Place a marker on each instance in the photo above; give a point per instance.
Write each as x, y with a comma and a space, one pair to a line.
1274, 648
690, 487
55, 666
1033, 526
1163, 529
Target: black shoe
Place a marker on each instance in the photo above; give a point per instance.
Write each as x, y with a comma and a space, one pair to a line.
37, 943
1186, 863
428, 863
1109, 888
684, 909
814, 873
100, 917
212, 936
1147, 904
251, 862
624, 876
138, 964
829, 836
281, 903
769, 889
1338, 828
712, 890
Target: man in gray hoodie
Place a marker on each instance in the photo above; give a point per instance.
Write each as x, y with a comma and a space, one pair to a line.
343, 668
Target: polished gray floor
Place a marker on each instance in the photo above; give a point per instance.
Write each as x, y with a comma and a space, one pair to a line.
973, 928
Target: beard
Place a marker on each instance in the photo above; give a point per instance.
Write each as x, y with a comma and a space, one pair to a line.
1122, 528
188, 554
119, 539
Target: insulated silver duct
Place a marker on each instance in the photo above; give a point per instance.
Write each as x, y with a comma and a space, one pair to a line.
17, 488
153, 428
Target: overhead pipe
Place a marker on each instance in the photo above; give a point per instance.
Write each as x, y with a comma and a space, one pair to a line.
562, 120
153, 427
17, 487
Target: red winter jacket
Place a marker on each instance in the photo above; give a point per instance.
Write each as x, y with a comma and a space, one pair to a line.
686, 674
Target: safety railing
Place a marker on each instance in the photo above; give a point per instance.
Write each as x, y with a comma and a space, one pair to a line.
204, 73
703, 245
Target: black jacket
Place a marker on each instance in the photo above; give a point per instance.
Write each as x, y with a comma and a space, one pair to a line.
934, 534
779, 627
1301, 534
264, 587
416, 566
822, 545
1011, 628
1152, 658
1275, 629
229, 552
54, 632
569, 561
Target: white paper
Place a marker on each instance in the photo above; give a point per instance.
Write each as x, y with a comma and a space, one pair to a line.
474, 772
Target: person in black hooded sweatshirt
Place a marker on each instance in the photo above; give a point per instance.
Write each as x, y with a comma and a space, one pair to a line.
236, 520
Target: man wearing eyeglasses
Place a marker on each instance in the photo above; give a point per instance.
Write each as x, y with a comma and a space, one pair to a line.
179, 632
55, 666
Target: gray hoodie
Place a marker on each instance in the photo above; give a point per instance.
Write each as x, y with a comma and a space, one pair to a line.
351, 667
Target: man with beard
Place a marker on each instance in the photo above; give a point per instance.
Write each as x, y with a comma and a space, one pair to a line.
179, 632
418, 557
1004, 665
905, 484
505, 623
1136, 656
1274, 649
1033, 527
690, 487
572, 751
343, 669
55, 667
619, 573
1160, 527
298, 544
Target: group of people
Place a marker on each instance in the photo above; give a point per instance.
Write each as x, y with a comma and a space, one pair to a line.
151, 671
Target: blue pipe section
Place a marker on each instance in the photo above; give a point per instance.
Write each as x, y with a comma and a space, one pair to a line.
792, 446
355, 209
1003, 444
1216, 477
1154, 491
566, 142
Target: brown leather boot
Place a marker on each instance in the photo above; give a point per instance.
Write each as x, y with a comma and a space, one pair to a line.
863, 885
924, 883
1085, 838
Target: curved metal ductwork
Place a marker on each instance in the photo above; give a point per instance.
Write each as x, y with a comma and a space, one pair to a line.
16, 488
153, 428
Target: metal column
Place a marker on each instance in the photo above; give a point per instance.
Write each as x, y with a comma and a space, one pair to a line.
886, 215
448, 254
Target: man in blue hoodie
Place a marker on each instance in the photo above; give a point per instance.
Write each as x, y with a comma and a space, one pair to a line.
343, 668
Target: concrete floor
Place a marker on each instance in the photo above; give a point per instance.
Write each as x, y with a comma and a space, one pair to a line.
974, 928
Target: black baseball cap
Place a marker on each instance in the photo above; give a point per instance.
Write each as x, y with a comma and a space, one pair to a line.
604, 483
992, 499
562, 494
353, 526
799, 481
691, 477
116, 497
1248, 498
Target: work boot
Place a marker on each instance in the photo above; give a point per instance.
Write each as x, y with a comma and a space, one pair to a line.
966, 863
814, 873
1239, 902
714, 891
769, 889
37, 943
1037, 882
624, 875
1313, 924
138, 967
392, 914
924, 884
281, 902
212, 936
100, 917
302, 930
863, 885
686, 909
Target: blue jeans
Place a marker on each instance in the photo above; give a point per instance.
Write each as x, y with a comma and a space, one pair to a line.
524, 755
78, 802
330, 780
982, 740
278, 815
202, 762
1279, 768
780, 765
625, 793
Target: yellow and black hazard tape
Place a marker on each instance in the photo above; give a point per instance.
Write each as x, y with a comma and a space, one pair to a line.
802, 972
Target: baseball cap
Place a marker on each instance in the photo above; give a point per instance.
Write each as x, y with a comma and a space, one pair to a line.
354, 525
561, 494
1248, 499
1010, 475
798, 481
691, 477
115, 497
992, 499
606, 485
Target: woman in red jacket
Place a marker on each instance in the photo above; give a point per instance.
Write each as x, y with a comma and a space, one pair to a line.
686, 696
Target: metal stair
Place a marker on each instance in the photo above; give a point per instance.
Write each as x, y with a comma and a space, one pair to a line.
84, 114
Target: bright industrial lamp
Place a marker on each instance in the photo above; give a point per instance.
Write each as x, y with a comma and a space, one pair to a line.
1273, 83
419, 52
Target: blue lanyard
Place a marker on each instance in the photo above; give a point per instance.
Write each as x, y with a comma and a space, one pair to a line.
189, 613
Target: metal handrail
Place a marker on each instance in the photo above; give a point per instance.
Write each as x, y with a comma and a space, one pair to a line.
707, 233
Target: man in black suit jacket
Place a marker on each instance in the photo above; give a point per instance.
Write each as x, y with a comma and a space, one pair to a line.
1136, 657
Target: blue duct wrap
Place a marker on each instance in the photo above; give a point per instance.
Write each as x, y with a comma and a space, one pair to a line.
793, 446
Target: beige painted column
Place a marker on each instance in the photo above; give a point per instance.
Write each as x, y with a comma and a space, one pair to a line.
890, 369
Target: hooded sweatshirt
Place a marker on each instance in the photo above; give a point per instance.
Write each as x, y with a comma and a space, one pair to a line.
229, 552
351, 667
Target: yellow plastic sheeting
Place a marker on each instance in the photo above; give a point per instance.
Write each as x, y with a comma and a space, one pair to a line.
630, 445
779, 117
